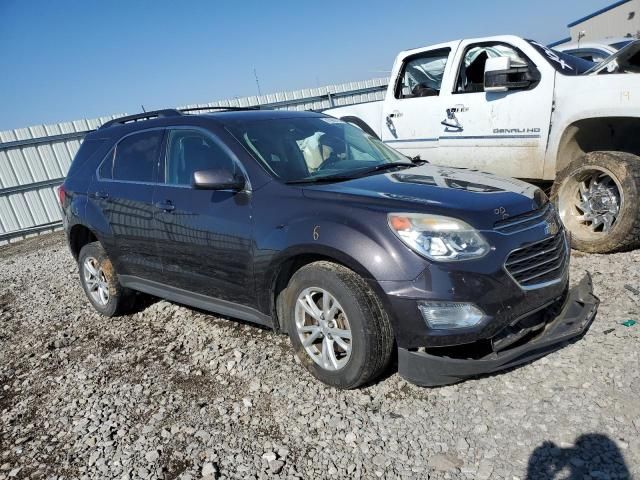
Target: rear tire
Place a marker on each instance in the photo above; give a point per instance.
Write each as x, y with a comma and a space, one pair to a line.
349, 340
100, 282
598, 199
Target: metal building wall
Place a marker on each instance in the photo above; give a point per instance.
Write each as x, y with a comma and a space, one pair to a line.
617, 20
35, 160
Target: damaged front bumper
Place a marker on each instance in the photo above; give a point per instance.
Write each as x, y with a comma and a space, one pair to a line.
574, 319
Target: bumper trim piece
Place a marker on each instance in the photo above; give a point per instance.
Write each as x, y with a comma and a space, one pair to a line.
572, 322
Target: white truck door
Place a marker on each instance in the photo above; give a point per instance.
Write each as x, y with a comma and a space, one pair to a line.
499, 132
411, 111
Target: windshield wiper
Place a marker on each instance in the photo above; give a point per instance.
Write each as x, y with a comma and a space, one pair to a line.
326, 178
353, 175
389, 166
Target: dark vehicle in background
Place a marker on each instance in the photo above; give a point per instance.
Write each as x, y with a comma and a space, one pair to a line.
306, 224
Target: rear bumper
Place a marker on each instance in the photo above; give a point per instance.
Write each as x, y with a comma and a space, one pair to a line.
572, 322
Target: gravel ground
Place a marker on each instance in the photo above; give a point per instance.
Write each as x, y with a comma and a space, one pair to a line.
171, 392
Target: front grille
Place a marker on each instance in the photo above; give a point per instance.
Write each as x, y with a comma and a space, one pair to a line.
538, 263
526, 220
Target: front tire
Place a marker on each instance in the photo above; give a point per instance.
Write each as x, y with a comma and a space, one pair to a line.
100, 282
598, 199
337, 325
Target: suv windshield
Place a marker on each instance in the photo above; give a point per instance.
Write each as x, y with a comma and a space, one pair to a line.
308, 149
563, 62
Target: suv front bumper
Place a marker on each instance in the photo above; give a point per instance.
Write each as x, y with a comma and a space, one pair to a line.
574, 319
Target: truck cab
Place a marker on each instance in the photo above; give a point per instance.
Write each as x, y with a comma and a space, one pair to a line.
516, 108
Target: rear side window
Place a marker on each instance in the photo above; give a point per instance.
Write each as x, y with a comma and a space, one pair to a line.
190, 151
106, 167
136, 156
88, 149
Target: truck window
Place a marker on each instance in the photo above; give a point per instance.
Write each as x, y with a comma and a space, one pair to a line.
422, 74
471, 74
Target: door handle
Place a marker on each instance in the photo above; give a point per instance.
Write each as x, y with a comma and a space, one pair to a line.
451, 120
166, 206
100, 195
395, 114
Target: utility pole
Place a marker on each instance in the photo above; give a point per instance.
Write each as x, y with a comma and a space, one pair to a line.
255, 74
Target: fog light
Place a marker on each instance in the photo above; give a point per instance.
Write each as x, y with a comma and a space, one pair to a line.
445, 315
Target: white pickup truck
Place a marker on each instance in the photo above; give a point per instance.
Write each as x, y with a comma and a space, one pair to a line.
514, 107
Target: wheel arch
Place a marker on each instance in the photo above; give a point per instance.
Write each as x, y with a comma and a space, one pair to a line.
596, 134
79, 236
289, 262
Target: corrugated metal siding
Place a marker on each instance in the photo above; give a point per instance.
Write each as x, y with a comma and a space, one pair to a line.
617, 20
311, 98
34, 160
32, 163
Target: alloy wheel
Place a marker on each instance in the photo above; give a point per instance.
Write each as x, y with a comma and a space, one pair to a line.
592, 199
96, 281
323, 328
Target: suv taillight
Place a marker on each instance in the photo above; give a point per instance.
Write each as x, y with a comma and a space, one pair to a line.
62, 193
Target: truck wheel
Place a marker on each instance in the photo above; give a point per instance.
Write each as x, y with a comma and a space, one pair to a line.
100, 282
598, 199
337, 325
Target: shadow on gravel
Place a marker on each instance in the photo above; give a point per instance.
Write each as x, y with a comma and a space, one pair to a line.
594, 455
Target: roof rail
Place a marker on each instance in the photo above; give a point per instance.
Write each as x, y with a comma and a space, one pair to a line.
198, 109
169, 112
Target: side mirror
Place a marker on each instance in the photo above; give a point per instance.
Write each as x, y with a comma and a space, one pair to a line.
218, 179
500, 76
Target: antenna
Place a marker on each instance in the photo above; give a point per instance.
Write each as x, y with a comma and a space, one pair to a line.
143, 108
255, 74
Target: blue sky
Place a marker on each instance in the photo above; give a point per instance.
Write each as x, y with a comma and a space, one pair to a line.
64, 60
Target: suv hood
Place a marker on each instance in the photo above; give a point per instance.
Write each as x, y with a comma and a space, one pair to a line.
625, 60
478, 198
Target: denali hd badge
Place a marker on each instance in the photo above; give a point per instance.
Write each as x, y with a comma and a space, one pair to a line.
502, 131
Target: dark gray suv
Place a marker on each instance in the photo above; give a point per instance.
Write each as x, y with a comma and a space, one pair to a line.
308, 225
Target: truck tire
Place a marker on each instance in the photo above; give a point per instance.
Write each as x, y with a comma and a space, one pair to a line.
362, 125
337, 325
100, 282
598, 199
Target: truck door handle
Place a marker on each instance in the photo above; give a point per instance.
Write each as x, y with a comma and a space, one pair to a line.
166, 206
101, 195
395, 114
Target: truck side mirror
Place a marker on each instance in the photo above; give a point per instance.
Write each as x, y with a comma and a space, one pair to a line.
500, 76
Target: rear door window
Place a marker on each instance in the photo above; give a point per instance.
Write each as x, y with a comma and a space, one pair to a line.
422, 74
136, 156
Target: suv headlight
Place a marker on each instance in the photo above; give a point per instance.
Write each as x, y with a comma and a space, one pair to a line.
438, 238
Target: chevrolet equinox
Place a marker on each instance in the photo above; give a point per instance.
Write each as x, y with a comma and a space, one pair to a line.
306, 224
